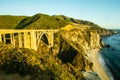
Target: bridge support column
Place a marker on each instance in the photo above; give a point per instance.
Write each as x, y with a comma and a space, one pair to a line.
0, 37
11, 39
20, 40
26, 40
33, 40
51, 39
4, 38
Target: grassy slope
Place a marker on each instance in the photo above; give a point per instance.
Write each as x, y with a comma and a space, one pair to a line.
38, 66
9, 22
78, 21
43, 21
40, 21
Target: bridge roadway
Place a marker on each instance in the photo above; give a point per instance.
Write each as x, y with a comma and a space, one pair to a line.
26, 38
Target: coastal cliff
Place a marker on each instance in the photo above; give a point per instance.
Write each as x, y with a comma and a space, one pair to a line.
69, 58
65, 60
82, 40
104, 32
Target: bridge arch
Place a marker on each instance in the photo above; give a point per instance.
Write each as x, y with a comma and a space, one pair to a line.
42, 36
47, 37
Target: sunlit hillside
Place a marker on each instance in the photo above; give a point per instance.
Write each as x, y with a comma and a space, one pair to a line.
40, 21
9, 22
44, 21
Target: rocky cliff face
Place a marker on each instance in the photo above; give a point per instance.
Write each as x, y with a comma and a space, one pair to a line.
80, 40
104, 32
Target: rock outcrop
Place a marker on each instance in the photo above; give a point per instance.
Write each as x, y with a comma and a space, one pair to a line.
81, 41
104, 32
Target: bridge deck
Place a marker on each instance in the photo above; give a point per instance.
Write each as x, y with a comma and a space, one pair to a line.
5, 31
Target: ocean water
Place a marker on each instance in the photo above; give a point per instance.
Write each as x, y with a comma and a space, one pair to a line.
110, 55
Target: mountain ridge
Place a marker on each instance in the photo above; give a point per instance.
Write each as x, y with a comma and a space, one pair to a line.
44, 21
24, 21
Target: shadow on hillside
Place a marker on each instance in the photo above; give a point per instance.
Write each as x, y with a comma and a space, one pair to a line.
67, 55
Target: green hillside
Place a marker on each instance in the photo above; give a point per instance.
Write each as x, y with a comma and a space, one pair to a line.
9, 22
40, 21
43, 21
78, 21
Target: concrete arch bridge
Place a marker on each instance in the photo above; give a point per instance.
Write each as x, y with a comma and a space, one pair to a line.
26, 38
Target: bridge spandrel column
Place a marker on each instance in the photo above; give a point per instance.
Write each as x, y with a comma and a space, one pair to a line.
51, 39
26, 40
20, 40
12, 39
4, 38
33, 40
0, 37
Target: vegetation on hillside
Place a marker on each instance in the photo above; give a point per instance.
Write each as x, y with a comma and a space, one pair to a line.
82, 23
43, 21
9, 22
77, 21
38, 66
40, 21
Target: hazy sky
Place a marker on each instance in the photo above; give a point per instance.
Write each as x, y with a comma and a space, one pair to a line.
105, 13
